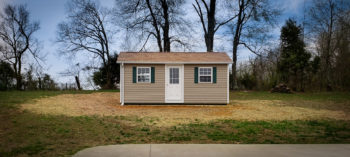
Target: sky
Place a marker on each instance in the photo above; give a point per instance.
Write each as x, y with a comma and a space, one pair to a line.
50, 13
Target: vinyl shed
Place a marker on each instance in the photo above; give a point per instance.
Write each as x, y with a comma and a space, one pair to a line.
174, 77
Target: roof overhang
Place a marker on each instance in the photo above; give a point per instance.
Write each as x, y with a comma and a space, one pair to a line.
139, 62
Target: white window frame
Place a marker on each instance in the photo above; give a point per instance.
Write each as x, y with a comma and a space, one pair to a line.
137, 74
199, 74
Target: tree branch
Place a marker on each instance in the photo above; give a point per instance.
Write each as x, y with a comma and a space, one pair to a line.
225, 22
200, 14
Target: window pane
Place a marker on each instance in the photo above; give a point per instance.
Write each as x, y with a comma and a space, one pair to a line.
176, 81
205, 79
201, 71
174, 75
205, 71
143, 71
143, 78
139, 79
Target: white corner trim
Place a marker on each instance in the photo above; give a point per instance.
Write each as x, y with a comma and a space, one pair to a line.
165, 80
183, 83
121, 83
228, 83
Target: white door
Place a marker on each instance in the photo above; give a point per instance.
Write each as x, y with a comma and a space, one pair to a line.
173, 84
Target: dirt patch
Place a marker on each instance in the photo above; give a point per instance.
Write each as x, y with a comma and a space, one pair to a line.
107, 104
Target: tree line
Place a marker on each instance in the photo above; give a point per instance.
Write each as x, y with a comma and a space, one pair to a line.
311, 54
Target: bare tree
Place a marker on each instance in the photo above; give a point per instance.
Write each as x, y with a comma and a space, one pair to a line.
16, 33
253, 18
153, 18
86, 30
341, 72
208, 20
324, 14
74, 71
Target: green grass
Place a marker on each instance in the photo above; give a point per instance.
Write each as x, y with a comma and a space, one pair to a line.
17, 97
24, 133
312, 96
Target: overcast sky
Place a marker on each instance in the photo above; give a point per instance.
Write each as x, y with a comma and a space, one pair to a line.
51, 12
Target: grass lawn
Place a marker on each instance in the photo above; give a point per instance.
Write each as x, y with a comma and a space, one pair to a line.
26, 133
313, 96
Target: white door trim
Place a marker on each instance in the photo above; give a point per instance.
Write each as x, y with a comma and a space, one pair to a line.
181, 81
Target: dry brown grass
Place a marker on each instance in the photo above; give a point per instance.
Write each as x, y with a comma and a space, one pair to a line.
107, 104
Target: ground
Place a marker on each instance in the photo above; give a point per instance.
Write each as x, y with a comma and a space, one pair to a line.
107, 104
46, 123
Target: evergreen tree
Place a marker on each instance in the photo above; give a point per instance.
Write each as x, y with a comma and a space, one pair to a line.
294, 58
7, 75
99, 77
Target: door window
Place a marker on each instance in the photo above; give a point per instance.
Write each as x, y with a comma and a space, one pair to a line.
174, 75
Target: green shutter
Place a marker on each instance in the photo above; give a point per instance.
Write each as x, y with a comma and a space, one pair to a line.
214, 74
133, 74
195, 74
152, 74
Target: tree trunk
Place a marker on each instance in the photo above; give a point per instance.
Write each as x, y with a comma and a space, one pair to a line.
166, 38
78, 82
109, 82
236, 43
155, 25
234, 65
328, 55
302, 81
39, 83
209, 37
159, 42
19, 82
260, 71
209, 43
19, 76
295, 83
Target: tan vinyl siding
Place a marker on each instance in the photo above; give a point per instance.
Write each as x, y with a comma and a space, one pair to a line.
144, 92
205, 92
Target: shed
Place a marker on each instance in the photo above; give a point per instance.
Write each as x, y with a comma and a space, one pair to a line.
174, 77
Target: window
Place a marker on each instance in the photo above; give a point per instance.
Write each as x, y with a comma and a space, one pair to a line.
144, 74
174, 75
205, 75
